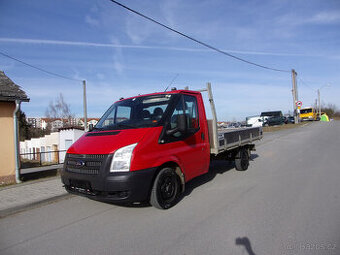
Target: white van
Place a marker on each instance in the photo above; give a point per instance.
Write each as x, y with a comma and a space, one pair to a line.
255, 121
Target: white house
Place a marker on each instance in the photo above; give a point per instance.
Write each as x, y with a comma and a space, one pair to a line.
50, 148
92, 121
67, 136
43, 148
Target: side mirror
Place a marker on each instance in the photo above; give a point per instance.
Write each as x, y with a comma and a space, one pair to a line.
181, 125
90, 127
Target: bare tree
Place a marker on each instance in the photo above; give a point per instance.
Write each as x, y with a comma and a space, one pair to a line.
59, 109
330, 109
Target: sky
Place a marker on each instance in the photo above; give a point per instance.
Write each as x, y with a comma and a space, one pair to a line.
120, 54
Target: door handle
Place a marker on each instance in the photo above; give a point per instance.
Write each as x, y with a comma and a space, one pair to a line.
202, 136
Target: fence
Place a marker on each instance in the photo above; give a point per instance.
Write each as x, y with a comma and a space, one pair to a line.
42, 158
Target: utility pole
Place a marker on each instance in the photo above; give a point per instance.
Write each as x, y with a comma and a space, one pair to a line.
85, 106
295, 96
319, 103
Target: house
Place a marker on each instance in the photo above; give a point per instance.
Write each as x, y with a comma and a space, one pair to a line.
67, 136
56, 124
92, 121
50, 148
11, 96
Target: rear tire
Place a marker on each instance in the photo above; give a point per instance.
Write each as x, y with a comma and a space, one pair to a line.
165, 189
242, 160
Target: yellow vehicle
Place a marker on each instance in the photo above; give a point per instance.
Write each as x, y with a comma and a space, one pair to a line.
308, 114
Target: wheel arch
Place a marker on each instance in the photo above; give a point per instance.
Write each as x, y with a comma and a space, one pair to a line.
177, 170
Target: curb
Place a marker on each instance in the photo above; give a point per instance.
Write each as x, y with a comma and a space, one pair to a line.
21, 208
25, 183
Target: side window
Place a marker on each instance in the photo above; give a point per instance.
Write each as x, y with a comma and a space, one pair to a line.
191, 112
186, 105
177, 111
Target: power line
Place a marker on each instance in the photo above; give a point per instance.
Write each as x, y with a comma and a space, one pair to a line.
38, 68
195, 40
304, 83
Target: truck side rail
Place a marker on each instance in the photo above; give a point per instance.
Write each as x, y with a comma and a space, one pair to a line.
231, 139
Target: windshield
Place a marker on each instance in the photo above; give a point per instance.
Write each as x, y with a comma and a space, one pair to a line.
309, 110
136, 112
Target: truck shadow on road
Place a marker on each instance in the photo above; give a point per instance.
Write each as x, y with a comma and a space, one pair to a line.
216, 167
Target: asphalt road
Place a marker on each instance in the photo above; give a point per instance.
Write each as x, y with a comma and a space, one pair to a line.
287, 202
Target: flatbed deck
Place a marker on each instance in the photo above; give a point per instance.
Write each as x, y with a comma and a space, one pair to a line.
231, 138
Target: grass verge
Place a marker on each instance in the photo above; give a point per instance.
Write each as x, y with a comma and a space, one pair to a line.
284, 126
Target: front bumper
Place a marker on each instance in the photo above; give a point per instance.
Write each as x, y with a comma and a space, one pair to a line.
129, 187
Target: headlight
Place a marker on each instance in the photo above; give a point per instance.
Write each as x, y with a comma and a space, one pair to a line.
122, 158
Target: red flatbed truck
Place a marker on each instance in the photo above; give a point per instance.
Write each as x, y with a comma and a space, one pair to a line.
146, 148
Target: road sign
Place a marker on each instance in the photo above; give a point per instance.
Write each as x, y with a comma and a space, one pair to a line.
298, 103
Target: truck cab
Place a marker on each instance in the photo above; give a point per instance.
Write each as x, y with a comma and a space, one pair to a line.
308, 113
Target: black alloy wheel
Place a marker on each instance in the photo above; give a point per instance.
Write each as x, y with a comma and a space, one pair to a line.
165, 189
242, 160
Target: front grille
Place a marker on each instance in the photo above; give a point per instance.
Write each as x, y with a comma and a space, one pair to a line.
82, 171
87, 156
85, 163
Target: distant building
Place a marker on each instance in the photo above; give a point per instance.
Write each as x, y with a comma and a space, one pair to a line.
34, 122
56, 124
11, 96
92, 121
37, 122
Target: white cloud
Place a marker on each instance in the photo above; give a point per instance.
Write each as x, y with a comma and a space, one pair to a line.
320, 18
100, 76
118, 57
137, 29
168, 9
118, 66
117, 45
91, 21
328, 17
8, 66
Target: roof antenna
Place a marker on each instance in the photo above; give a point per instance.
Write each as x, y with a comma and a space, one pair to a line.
175, 77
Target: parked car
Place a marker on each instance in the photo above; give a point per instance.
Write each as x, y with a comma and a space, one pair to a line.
290, 119
255, 121
272, 121
272, 114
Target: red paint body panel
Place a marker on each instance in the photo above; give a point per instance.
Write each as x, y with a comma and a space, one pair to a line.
191, 155
107, 144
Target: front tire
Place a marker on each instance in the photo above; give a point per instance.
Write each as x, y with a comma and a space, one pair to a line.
242, 160
165, 189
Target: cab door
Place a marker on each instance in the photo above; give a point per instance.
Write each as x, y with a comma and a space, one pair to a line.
191, 147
